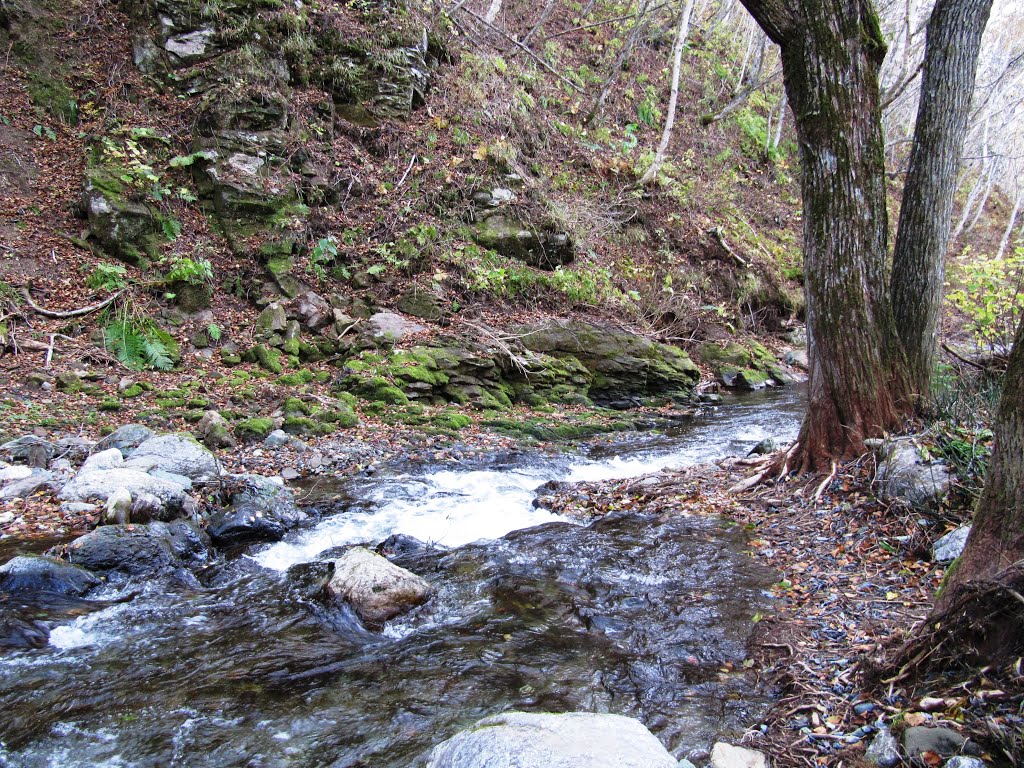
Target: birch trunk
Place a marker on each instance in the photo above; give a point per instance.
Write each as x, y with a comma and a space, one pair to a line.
670, 116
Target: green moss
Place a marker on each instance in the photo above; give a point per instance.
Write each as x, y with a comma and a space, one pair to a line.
254, 429
198, 402
451, 420
133, 391
293, 406
380, 390
297, 378
343, 417
110, 404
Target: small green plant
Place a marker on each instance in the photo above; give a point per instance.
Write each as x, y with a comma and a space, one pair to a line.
324, 252
191, 271
138, 343
106, 277
41, 130
990, 296
214, 332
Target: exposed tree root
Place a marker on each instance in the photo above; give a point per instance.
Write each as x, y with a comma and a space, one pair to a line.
983, 625
61, 315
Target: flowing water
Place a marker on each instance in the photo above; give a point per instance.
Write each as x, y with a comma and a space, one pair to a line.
251, 667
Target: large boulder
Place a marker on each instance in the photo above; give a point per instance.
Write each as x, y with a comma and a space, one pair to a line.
106, 472
30, 449
126, 229
130, 549
626, 367
571, 740
905, 474
541, 247
126, 439
26, 486
33, 573
376, 588
260, 509
178, 454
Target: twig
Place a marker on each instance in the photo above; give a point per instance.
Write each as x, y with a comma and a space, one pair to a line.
401, 181
719, 236
71, 312
829, 479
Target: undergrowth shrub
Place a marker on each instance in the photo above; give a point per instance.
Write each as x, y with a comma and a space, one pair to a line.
139, 343
990, 295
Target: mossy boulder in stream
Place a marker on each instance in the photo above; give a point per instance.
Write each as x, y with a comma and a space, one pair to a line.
747, 366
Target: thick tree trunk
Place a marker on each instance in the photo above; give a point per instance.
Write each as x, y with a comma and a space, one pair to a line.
831, 55
997, 535
918, 272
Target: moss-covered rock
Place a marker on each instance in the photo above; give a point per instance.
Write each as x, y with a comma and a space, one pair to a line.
748, 365
624, 366
254, 429
135, 390
267, 358
127, 229
540, 247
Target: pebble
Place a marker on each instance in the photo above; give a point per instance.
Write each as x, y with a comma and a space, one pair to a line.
6, 517
863, 707
884, 750
290, 473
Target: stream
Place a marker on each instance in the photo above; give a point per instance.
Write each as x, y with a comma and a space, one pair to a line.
249, 666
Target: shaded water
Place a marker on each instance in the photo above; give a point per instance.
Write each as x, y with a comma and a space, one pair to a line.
633, 615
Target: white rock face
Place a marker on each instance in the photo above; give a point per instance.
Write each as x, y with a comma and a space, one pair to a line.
727, 756
951, 546
571, 740
190, 45
179, 454
376, 588
105, 473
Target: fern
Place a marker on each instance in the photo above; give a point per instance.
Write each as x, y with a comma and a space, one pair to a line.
157, 355
140, 344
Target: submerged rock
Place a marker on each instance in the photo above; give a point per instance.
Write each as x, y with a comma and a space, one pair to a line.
570, 740
376, 589
260, 509
130, 549
36, 573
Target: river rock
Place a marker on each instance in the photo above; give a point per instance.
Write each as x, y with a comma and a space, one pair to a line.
963, 761
178, 453
884, 750
31, 450
119, 507
126, 439
131, 549
905, 475
389, 327
943, 741
26, 486
35, 573
15, 472
190, 543
260, 509
106, 472
541, 740
215, 431
728, 756
376, 588
18, 632
951, 546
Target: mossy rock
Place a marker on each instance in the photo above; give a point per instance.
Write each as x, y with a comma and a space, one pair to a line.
377, 389
342, 417
297, 378
135, 390
293, 406
304, 426
254, 429
110, 404
192, 297
452, 421
267, 358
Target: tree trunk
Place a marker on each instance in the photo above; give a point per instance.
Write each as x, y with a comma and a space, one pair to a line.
997, 535
1008, 232
918, 272
670, 115
831, 55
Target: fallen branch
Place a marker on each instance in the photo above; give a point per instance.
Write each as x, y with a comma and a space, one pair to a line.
61, 315
720, 239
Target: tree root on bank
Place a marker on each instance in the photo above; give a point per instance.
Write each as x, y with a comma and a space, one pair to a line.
983, 626
63, 315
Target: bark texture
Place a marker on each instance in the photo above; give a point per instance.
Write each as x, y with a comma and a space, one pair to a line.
947, 86
831, 54
996, 542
